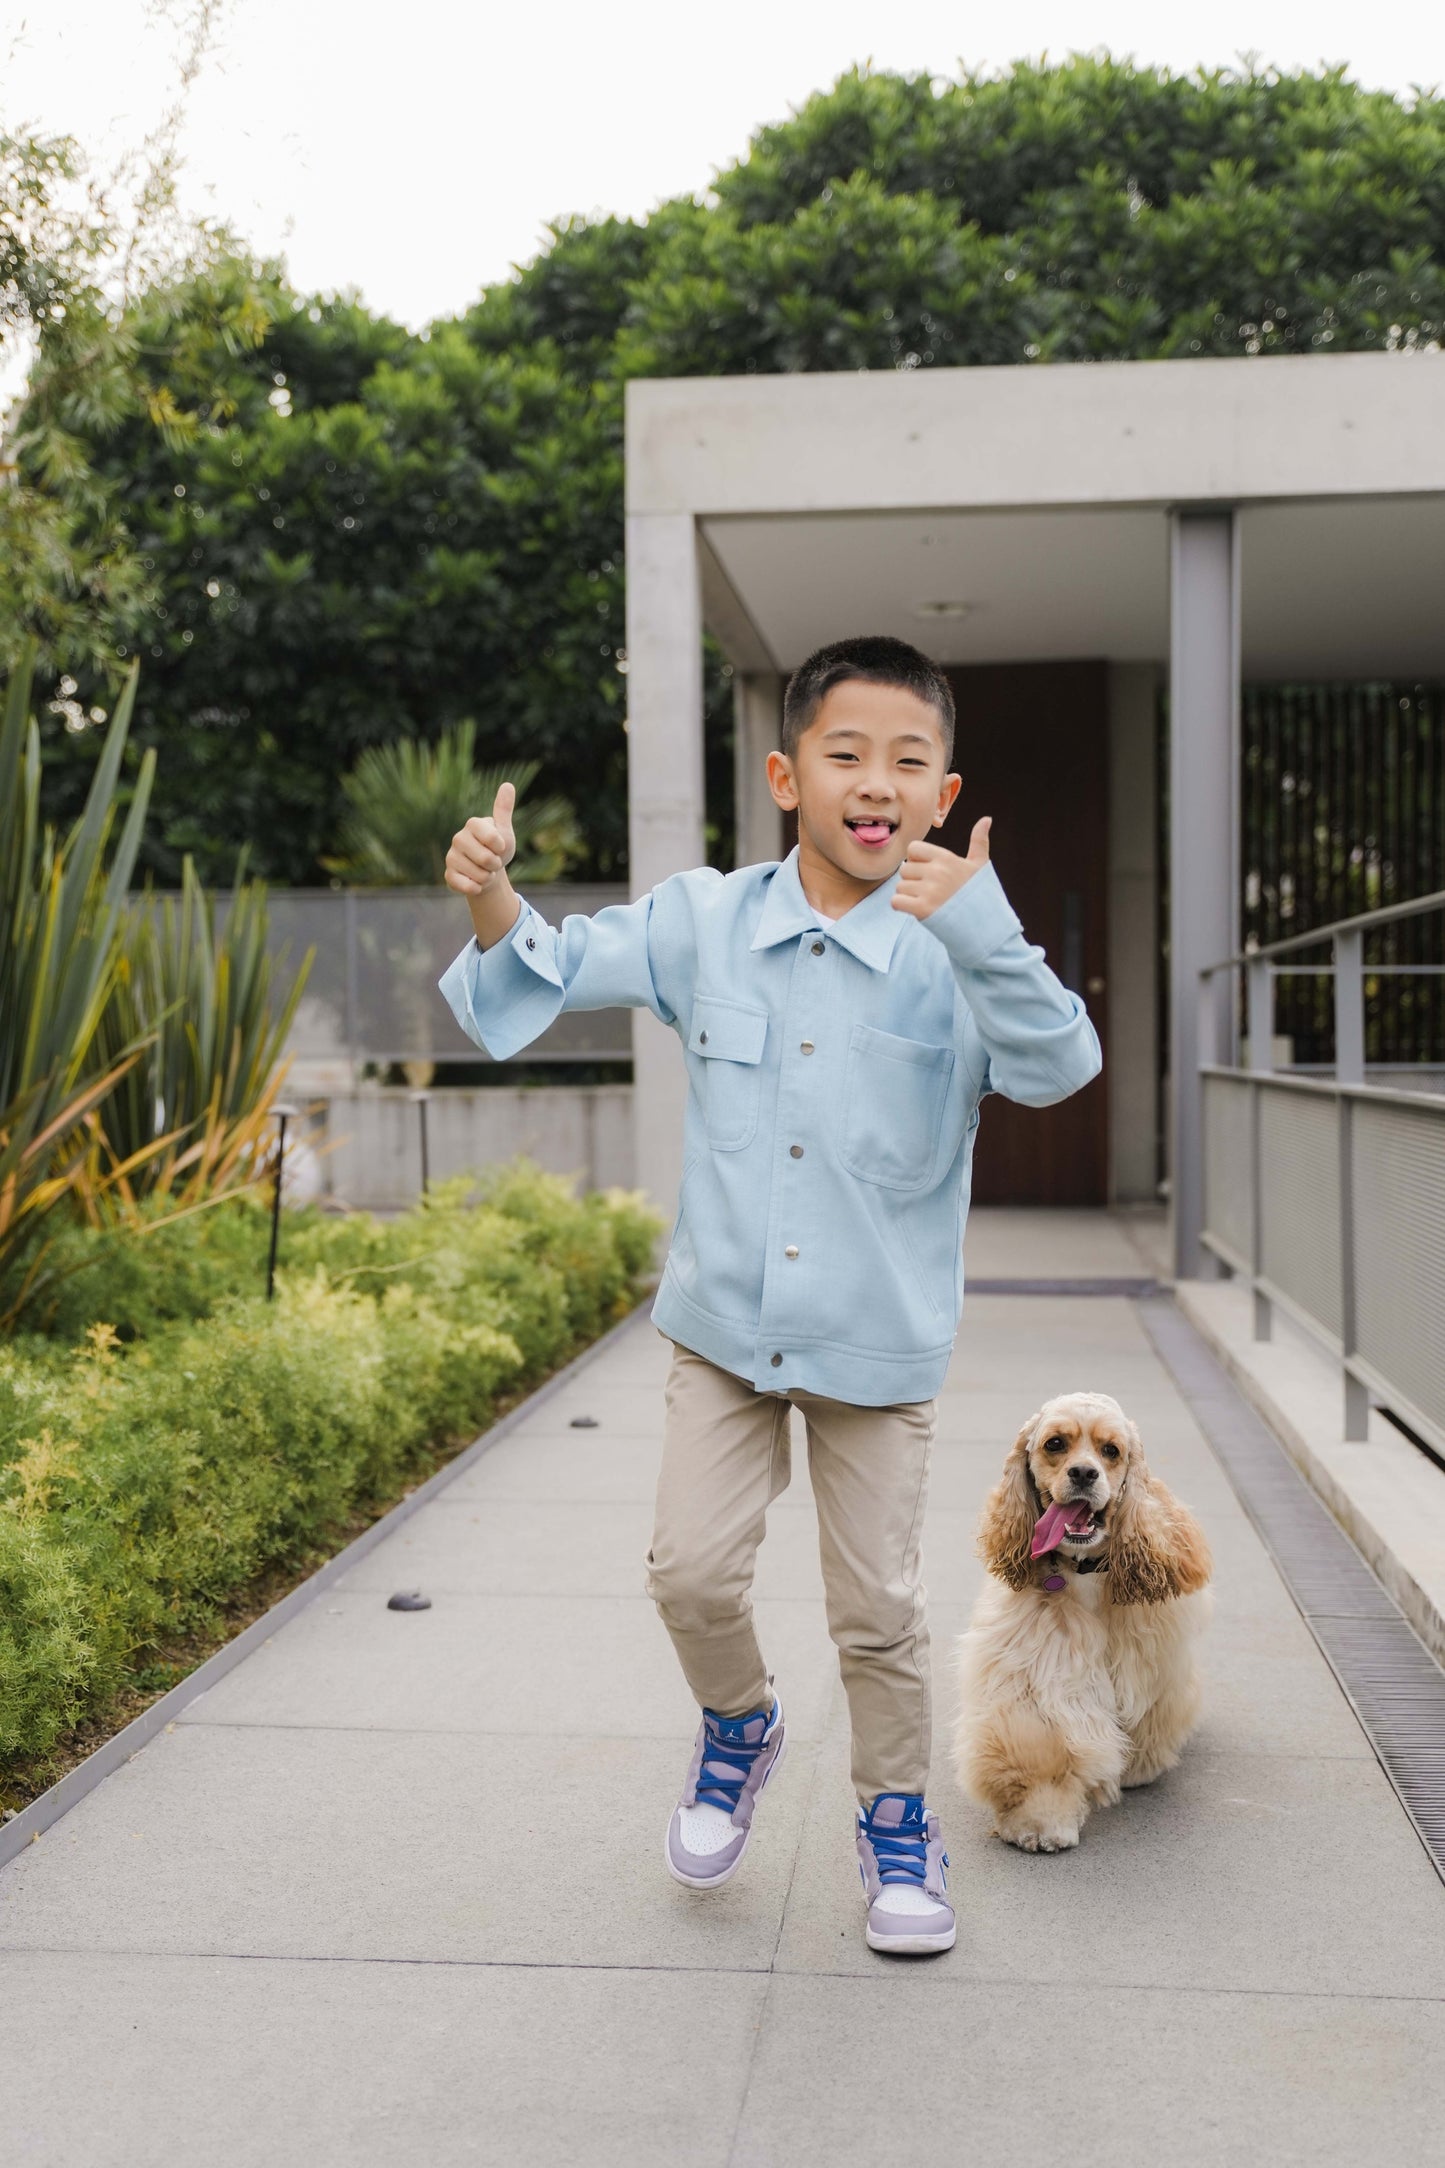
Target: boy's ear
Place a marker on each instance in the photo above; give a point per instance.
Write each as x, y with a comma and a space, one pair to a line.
782, 782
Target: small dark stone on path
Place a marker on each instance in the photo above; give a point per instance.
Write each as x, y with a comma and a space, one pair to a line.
408, 1599
584, 1422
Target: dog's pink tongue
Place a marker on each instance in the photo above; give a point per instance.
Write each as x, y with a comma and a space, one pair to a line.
1051, 1523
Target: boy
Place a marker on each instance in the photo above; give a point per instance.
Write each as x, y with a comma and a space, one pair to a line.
843, 1014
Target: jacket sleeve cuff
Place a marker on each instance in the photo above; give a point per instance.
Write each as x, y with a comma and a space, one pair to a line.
976, 920
503, 996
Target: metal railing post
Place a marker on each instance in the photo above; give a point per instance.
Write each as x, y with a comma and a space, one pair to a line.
1260, 984
1349, 1069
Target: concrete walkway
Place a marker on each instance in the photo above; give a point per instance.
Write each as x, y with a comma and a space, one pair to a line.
392, 1891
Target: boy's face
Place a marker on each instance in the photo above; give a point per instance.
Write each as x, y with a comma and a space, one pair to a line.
868, 780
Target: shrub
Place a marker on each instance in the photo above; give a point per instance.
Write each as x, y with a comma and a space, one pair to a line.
172, 1436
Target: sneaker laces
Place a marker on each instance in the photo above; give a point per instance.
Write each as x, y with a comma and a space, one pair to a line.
900, 1848
728, 1757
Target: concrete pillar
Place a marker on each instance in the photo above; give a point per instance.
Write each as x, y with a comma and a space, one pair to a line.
665, 799
758, 715
1203, 843
1132, 1070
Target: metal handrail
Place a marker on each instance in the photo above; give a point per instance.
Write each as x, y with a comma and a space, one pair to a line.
1361, 922
1348, 1088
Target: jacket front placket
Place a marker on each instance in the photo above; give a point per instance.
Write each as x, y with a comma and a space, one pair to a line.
810, 1073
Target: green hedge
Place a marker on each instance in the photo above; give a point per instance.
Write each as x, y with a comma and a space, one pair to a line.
166, 1435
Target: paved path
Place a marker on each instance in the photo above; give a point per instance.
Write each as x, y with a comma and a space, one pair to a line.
392, 1891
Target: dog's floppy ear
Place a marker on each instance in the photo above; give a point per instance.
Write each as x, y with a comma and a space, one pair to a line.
1156, 1547
1006, 1527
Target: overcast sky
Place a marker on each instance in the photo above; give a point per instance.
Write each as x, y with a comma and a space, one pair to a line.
415, 151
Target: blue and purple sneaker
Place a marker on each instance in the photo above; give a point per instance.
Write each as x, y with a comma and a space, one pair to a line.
731, 1762
901, 1860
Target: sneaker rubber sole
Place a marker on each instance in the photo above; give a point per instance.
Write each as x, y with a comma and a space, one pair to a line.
718, 1880
910, 1945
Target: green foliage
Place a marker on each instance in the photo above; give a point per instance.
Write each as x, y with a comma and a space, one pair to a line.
369, 535
61, 927
405, 802
1089, 211
210, 1006
71, 578
172, 1435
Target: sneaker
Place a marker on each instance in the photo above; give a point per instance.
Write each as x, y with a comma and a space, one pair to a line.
732, 1761
901, 1859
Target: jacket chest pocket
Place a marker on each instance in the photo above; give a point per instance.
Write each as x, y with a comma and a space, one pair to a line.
728, 1039
895, 1096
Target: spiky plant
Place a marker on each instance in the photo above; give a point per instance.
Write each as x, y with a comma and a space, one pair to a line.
214, 1007
62, 911
406, 800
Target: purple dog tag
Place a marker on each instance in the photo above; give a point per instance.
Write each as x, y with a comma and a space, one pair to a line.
1055, 1581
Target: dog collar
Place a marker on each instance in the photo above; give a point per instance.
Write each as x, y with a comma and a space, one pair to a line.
1053, 1582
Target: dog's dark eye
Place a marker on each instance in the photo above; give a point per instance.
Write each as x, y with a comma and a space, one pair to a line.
1110, 1452
1056, 1445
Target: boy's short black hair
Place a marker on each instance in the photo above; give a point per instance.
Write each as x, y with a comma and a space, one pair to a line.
879, 660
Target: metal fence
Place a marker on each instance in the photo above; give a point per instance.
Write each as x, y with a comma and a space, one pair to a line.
1327, 1195
1342, 811
371, 994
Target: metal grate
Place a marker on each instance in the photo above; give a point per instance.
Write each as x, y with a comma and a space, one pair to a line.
1064, 1287
1388, 1676
1342, 807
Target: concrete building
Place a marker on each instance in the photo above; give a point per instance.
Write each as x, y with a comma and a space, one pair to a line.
1067, 541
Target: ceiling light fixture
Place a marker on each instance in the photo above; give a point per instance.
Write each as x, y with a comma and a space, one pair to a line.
944, 609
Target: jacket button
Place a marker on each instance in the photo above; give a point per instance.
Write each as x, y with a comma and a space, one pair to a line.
795, 1151
807, 1046
702, 1038
817, 948
775, 1360
791, 1250
531, 940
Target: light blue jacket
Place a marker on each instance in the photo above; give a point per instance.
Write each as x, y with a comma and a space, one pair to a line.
834, 1079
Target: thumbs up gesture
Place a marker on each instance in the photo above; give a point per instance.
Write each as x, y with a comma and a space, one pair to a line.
929, 874
483, 847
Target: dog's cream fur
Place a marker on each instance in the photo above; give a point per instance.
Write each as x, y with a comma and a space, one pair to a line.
1067, 1698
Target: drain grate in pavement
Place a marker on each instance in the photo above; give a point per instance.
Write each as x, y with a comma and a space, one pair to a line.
1125, 1286
1389, 1677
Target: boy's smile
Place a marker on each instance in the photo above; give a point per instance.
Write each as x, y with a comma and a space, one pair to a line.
868, 780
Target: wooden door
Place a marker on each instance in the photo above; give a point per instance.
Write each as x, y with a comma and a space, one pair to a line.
1032, 748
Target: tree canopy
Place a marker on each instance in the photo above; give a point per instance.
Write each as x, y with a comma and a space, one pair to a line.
370, 533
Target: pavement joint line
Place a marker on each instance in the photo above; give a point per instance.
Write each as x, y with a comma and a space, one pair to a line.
45, 1811
945, 1981
1304, 1542
771, 1969
1201, 1749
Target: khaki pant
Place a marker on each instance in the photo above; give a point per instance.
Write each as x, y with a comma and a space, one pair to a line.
726, 1456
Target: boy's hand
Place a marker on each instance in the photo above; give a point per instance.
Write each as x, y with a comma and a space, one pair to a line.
929, 874
483, 847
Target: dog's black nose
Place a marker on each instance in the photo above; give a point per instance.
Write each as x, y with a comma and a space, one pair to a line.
1082, 1478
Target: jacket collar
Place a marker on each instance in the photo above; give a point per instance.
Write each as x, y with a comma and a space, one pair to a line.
868, 931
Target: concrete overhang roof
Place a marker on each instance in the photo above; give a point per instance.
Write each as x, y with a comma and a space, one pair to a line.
993, 515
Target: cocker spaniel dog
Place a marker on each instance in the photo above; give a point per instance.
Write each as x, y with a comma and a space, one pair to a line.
1076, 1676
